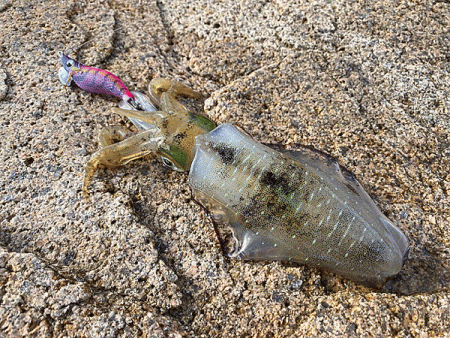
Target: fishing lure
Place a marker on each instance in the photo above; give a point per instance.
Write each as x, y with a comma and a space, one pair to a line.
298, 206
94, 80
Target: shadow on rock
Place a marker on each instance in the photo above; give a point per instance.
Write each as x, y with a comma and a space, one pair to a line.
422, 273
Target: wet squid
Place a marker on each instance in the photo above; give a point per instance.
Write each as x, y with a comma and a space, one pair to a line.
294, 205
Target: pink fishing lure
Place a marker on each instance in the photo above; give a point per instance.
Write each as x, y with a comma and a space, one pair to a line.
94, 80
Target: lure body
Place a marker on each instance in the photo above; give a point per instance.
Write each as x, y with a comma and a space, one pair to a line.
299, 206
93, 80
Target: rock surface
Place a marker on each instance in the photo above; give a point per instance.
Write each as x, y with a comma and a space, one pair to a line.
367, 83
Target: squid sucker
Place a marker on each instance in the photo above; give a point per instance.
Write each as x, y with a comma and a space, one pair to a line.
292, 205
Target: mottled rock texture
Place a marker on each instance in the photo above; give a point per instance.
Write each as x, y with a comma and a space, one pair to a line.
366, 82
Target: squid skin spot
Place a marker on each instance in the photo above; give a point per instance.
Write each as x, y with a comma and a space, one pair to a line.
179, 137
277, 208
226, 154
350, 187
276, 181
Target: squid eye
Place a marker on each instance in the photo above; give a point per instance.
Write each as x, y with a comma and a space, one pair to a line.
70, 63
168, 163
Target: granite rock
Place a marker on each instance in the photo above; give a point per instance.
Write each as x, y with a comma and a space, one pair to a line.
367, 83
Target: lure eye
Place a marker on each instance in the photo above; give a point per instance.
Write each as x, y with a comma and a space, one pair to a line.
70, 63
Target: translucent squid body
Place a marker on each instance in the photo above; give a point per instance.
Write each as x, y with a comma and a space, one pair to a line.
298, 206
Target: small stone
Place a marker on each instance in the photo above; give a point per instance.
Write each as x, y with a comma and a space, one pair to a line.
3, 84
